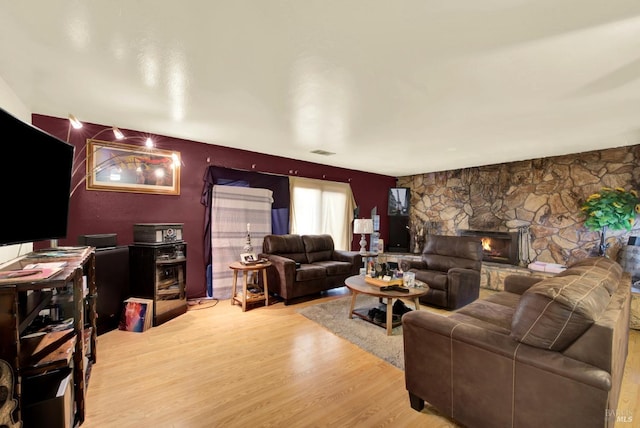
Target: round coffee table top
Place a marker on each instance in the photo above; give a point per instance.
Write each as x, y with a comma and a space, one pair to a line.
357, 283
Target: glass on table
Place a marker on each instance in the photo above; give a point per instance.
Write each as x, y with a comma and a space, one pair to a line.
409, 279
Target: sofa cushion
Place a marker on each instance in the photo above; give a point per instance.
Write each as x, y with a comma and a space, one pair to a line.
601, 262
290, 246
318, 247
446, 252
333, 267
307, 272
610, 271
607, 279
490, 315
554, 312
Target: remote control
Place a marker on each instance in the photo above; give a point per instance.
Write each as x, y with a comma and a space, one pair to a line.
395, 288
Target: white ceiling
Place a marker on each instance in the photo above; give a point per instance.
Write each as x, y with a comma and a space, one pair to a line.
392, 87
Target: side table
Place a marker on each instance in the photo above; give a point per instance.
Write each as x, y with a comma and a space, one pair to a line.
243, 297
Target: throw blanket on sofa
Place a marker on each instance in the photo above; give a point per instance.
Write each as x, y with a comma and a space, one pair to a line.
232, 208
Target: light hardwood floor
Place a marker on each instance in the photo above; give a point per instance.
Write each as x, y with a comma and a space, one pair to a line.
216, 366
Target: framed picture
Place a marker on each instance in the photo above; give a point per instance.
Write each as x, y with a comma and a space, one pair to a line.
398, 201
248, 258
126, 168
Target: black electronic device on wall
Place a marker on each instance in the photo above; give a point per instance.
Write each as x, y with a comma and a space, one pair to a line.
398, 204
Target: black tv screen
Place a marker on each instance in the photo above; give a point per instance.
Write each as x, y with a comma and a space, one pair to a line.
398, 201
36, 181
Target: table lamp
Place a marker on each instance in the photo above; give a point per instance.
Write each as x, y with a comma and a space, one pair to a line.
363, 226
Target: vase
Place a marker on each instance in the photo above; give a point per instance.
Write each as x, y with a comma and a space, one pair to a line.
248, 248
602, 248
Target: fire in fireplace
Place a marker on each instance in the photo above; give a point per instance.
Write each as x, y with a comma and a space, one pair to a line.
498, 247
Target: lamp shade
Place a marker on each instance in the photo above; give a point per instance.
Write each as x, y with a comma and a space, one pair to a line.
363, 226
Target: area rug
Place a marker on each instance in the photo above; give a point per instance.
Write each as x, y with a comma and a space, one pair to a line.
332, 315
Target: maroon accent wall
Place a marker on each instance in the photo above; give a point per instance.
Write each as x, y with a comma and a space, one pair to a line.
96, 212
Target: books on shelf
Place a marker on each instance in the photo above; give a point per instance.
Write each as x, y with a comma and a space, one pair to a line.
137, 315
27, 275
57, 252
46, 265
40, 350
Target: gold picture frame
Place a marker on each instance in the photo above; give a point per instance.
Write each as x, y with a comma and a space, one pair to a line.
121, 167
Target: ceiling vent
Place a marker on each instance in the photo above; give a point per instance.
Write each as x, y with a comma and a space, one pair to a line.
322, 152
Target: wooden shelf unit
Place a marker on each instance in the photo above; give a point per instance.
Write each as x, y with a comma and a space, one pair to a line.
159, 272
42, 352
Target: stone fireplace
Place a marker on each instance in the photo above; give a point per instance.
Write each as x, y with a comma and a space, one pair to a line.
497, 247
544, 195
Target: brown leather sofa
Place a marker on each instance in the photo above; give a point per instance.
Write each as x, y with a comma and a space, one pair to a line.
451, 266
542, 353
306, 264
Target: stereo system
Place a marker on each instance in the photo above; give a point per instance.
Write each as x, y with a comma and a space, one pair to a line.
157, 233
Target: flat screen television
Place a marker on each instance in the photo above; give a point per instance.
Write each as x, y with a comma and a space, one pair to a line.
36, 181
398, 201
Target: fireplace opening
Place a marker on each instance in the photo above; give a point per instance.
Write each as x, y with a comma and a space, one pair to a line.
497, 247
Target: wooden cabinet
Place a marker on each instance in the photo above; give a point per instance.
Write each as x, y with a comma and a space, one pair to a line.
29, 344
159, 272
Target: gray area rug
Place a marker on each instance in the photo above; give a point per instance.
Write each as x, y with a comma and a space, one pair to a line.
333, 315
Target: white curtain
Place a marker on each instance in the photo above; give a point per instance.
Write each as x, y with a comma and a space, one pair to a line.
319, 207
232, 208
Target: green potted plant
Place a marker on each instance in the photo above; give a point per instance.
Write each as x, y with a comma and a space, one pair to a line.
614, 209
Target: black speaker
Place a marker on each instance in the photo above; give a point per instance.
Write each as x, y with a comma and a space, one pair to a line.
398, 234
112, 281
103, 240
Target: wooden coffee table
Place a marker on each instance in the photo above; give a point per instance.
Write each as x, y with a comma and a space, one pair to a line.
358, 285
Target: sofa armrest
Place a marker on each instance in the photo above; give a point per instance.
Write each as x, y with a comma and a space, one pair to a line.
518, 284
406, 264
431, 344
464, 286
285, 271
352, 257
420, 324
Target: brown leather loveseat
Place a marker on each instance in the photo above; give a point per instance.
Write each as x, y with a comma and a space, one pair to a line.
451, 266
306, 264
542, 353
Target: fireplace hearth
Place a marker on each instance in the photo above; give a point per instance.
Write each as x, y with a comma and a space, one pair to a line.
497, 247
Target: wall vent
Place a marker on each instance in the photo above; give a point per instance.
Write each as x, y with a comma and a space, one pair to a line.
322, 152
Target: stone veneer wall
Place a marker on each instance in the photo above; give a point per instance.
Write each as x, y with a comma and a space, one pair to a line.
542, 196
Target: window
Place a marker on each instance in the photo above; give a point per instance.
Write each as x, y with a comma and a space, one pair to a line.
322, 207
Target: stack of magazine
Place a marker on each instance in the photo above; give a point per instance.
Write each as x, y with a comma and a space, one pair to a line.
32, 272
137, 315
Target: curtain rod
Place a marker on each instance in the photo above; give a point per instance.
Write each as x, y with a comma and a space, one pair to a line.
292, 173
